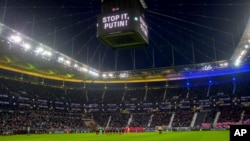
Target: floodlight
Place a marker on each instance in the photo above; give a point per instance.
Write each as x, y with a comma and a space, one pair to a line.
75, 65
111, 74
67, 62
39, 50
246, 46
60, 59
46, 53
123, 75
226, 64
104, 75
243, 52
15, 38
93, 73
237, 62
26, 46
83, 69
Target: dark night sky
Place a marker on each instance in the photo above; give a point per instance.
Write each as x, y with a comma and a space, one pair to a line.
189, 28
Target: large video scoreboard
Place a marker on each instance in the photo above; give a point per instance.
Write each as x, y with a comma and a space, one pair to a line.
121, 24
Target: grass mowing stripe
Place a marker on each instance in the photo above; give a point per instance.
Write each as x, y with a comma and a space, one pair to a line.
152, 136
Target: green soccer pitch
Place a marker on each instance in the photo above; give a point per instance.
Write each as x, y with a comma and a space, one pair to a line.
151, 136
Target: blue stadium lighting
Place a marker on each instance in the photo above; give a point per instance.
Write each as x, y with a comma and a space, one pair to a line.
216, 72
233, 78
210, 81
188, 84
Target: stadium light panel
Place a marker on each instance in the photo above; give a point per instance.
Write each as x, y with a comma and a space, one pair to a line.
246, 46
26, 46
83, 69
111, 74
60, 59
123, 75
49, 53
226, 64
46, 53
39, 50
67, 62
104, 75
237, 62
93, 73
243, 52
15, 38
75, 65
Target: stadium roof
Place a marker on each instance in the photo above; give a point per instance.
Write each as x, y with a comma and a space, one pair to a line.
182, 32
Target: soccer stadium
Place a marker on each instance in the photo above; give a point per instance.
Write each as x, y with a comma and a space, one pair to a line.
124, 69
